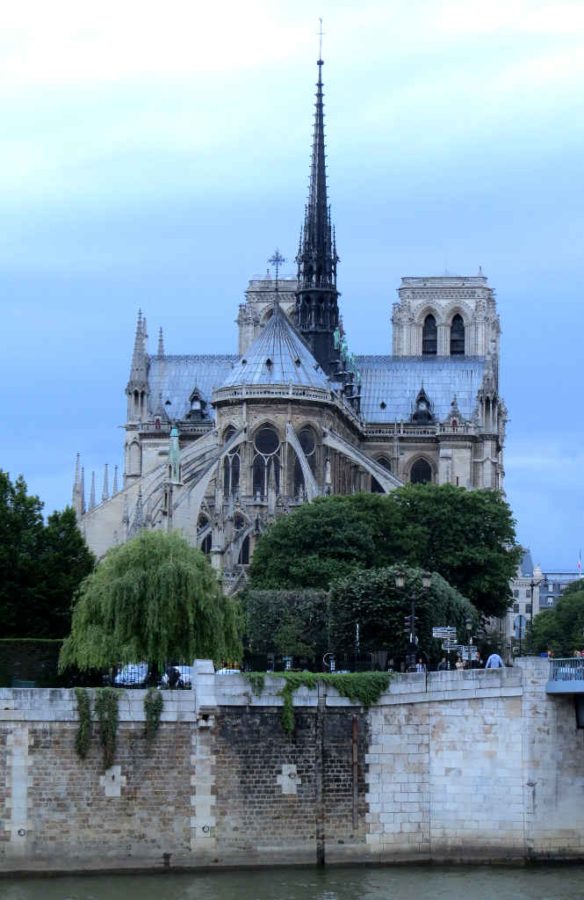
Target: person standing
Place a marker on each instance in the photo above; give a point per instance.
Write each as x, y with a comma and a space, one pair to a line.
494, 662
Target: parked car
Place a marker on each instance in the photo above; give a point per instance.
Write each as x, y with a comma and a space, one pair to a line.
132, 675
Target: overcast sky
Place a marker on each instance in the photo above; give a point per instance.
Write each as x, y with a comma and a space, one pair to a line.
154, 155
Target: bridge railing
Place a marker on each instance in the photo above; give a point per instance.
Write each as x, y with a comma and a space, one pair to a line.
567, 669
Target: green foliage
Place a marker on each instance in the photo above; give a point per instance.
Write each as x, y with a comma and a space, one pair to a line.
288, 622
561, 629
468, 537
64, 561
83, 735
257, 681
106, 710
153, 704
362, 687
153, 599
326, 539
372, 600
40, 566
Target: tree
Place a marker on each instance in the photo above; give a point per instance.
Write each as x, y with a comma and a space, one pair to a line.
41, 566
468, 537
155, 599
292, 623
372, 600
329, 538
561, 629
21, 528
64, 561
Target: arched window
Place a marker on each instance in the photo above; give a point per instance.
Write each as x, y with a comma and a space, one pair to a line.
375, 486
457, 336
231, 467
429, 337
266, 464
244, 552
207, 543
421, 472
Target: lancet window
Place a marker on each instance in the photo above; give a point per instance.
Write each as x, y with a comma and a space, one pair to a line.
457, 336
266, 463
421, 472
429, 337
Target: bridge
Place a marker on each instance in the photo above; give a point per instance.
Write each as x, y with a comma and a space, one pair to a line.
566, 677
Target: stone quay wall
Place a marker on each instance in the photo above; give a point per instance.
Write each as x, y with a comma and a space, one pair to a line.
453, 766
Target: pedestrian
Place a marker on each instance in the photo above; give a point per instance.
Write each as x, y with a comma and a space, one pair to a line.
477, 662
443, 665
420, 665
494, 662
459, 664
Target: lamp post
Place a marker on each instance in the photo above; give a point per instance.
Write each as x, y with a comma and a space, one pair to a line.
400, 582
532, 585
468, 624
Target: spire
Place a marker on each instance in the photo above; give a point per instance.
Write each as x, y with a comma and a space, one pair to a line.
82, 489
115, 488
317, 311
105, 491
317, 258
77, 496
92, 492
160, 342
137, 387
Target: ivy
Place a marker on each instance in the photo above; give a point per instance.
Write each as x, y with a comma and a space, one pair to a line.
153, 703
106, 709
257, 681
83, 735
359, 687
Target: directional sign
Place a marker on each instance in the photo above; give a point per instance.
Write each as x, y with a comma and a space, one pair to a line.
445, 633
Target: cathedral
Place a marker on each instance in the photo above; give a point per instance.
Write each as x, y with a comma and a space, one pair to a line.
218, 446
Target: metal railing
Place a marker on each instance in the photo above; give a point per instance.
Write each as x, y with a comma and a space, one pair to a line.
567, 669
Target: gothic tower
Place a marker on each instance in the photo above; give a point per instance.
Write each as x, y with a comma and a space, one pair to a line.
317, 310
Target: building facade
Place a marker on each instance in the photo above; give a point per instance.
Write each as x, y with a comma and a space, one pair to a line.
219, 445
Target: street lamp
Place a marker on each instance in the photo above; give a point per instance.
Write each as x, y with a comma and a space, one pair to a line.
468, 624
532, 585
400, 582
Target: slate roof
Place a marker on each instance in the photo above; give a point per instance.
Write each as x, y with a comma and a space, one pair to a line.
278, 356
396, 380
175, 377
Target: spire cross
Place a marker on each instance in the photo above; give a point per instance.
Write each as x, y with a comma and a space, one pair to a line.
276, 261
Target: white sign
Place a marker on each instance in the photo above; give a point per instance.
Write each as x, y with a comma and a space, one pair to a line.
446, 633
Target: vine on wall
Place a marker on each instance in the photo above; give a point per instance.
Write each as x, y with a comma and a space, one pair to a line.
83, 735
106, 709
153, 704
362, 687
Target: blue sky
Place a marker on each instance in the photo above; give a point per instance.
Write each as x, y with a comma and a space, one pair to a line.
154, 157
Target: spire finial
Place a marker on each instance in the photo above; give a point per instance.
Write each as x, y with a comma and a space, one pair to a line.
320, 34
160, 342
115, 488
92, 492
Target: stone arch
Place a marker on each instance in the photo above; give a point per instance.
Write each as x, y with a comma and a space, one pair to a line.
382, 460
420, 467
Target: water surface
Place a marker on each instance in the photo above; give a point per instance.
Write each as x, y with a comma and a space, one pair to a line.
359, 883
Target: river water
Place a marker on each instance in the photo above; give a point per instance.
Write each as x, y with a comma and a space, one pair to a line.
359, 883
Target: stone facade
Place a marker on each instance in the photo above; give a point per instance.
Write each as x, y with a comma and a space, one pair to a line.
455, 766
339, 422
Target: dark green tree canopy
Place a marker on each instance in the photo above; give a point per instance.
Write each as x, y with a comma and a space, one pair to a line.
468, 537
329, 538
561, 629
372, 600
286, 622
41, 565
154, 599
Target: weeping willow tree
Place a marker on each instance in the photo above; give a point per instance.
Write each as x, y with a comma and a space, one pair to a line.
154, 599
